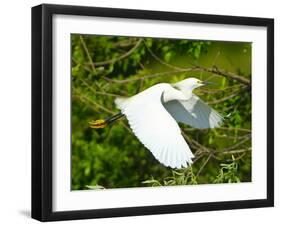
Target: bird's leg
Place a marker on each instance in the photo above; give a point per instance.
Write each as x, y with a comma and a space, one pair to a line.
101, 123
114, 118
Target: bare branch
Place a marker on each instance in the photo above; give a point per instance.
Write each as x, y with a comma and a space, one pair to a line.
203, 165
169, 73
111, 61
88, 54
213, 69
140, 78
125, 43
160, 60
235, 145
226, 74
87, 100
213, 91
98, 92
222, 128
93, 102
236, 151
233, 94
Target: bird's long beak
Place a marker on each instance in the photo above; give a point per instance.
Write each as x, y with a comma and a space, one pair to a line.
208, 83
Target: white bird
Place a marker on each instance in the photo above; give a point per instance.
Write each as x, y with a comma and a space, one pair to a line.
153, 115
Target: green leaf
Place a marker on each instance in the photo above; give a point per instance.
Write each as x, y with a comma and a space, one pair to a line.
167, 56
94, 187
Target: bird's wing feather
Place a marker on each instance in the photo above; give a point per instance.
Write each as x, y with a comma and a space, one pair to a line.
157, 130
194, 112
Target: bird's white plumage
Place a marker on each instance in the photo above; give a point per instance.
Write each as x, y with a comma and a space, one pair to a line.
153, 115
194, 112
155, 127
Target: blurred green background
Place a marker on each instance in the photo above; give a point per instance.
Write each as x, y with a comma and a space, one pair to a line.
105, 67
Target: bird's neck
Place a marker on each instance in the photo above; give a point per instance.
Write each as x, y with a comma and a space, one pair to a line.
171, 93
187, 93
186, 89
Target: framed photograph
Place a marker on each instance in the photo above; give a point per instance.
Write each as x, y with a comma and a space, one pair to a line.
145, 112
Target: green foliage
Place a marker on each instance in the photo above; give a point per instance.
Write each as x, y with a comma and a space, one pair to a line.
94, 187
228, 173
180, 177
106, 67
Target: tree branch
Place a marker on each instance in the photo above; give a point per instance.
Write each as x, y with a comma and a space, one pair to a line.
98, 92
203, 165
88, 54
233, 94
160, 60
237, 151
222, 128
213, 69
226, 74
111, 61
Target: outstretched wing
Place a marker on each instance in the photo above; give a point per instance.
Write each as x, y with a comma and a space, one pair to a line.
194, 112
157, 130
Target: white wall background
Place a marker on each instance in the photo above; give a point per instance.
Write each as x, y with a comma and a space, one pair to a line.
15, 93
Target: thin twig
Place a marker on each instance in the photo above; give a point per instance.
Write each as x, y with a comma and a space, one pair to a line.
213, 69
191, 69
98, 92
222, 128
203, 165
139, 78
86, 99
235, 145
111, 61
213, 91
88, 54
233, 94
216, 58
226, 74
125, 43
236, 151
160, 60
93, 102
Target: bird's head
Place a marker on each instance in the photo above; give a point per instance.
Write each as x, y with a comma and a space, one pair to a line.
190, 84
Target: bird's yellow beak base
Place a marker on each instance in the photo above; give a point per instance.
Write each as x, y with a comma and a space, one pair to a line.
98, 124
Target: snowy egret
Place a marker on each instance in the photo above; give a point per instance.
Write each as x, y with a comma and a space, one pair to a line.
153, 115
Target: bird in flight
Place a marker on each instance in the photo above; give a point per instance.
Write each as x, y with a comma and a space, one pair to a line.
153, 115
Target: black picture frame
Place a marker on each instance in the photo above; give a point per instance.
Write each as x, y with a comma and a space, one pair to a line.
42, 107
